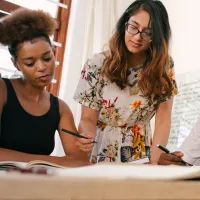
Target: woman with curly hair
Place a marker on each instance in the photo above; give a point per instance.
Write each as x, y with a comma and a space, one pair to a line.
30, 115
121, 89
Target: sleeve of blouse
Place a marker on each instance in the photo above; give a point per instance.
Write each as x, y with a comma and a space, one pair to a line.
88, 89
171, 75
191, 146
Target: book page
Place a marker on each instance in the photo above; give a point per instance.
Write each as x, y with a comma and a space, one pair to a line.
127, 171
186, 108
40, 163
10, 164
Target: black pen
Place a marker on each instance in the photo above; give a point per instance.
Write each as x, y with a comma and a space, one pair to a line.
75, 134
169, 152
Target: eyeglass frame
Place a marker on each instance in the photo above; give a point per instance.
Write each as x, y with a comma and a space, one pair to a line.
138, 31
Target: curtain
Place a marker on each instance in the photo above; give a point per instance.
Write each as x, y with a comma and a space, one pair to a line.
90, 27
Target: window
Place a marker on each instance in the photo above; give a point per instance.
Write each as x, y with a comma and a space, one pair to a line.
58, 9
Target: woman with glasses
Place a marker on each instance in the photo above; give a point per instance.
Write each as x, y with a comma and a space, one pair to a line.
123, 88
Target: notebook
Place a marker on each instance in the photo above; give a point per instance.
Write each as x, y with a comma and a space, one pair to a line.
29, 165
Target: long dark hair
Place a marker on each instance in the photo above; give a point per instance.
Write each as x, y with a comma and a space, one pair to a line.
153, 79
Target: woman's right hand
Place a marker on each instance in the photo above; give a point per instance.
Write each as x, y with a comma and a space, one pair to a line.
86, 145
170, 159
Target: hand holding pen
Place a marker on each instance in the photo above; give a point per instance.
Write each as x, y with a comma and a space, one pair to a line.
169, 158
85, 141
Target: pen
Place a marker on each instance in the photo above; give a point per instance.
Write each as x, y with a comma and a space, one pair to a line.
168, 152
75, 134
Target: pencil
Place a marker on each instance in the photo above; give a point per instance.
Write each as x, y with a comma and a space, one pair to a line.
75, 134
168, 152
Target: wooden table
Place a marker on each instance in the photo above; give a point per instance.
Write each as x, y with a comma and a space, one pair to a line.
30, 187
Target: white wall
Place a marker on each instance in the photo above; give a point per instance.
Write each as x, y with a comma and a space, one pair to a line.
184, 17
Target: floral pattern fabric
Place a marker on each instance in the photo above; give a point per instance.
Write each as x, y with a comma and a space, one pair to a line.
123, 129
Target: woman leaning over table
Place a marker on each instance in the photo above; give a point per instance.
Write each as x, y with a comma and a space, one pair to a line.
121, 89
29, 114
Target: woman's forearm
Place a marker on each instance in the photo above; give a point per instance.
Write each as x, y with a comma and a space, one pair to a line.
68, 161
11, 155
161, 136
87, 126
162, 128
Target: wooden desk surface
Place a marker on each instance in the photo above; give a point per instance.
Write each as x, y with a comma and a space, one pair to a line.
29, 187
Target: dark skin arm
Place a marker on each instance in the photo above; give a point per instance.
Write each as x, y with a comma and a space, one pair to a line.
170, 159
74, 157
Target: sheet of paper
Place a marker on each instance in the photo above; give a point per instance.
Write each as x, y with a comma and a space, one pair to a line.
140, 161
186, 108
127, 171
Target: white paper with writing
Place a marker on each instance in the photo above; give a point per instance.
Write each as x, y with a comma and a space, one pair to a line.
186, 109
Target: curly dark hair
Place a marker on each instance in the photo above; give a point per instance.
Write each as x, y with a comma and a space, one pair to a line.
25, 25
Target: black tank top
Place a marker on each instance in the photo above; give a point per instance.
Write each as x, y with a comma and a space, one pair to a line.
21, 131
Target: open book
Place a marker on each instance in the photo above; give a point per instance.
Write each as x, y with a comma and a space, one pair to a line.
29, 165
41, 163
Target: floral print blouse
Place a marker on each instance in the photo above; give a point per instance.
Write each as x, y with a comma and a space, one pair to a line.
123, 131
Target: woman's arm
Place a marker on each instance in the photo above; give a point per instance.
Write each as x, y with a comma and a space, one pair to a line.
162, 128
68, 161
69, 141
88, 121
11, 155
87, 127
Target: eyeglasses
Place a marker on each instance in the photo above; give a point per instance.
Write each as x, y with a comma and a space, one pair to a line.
133, 31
